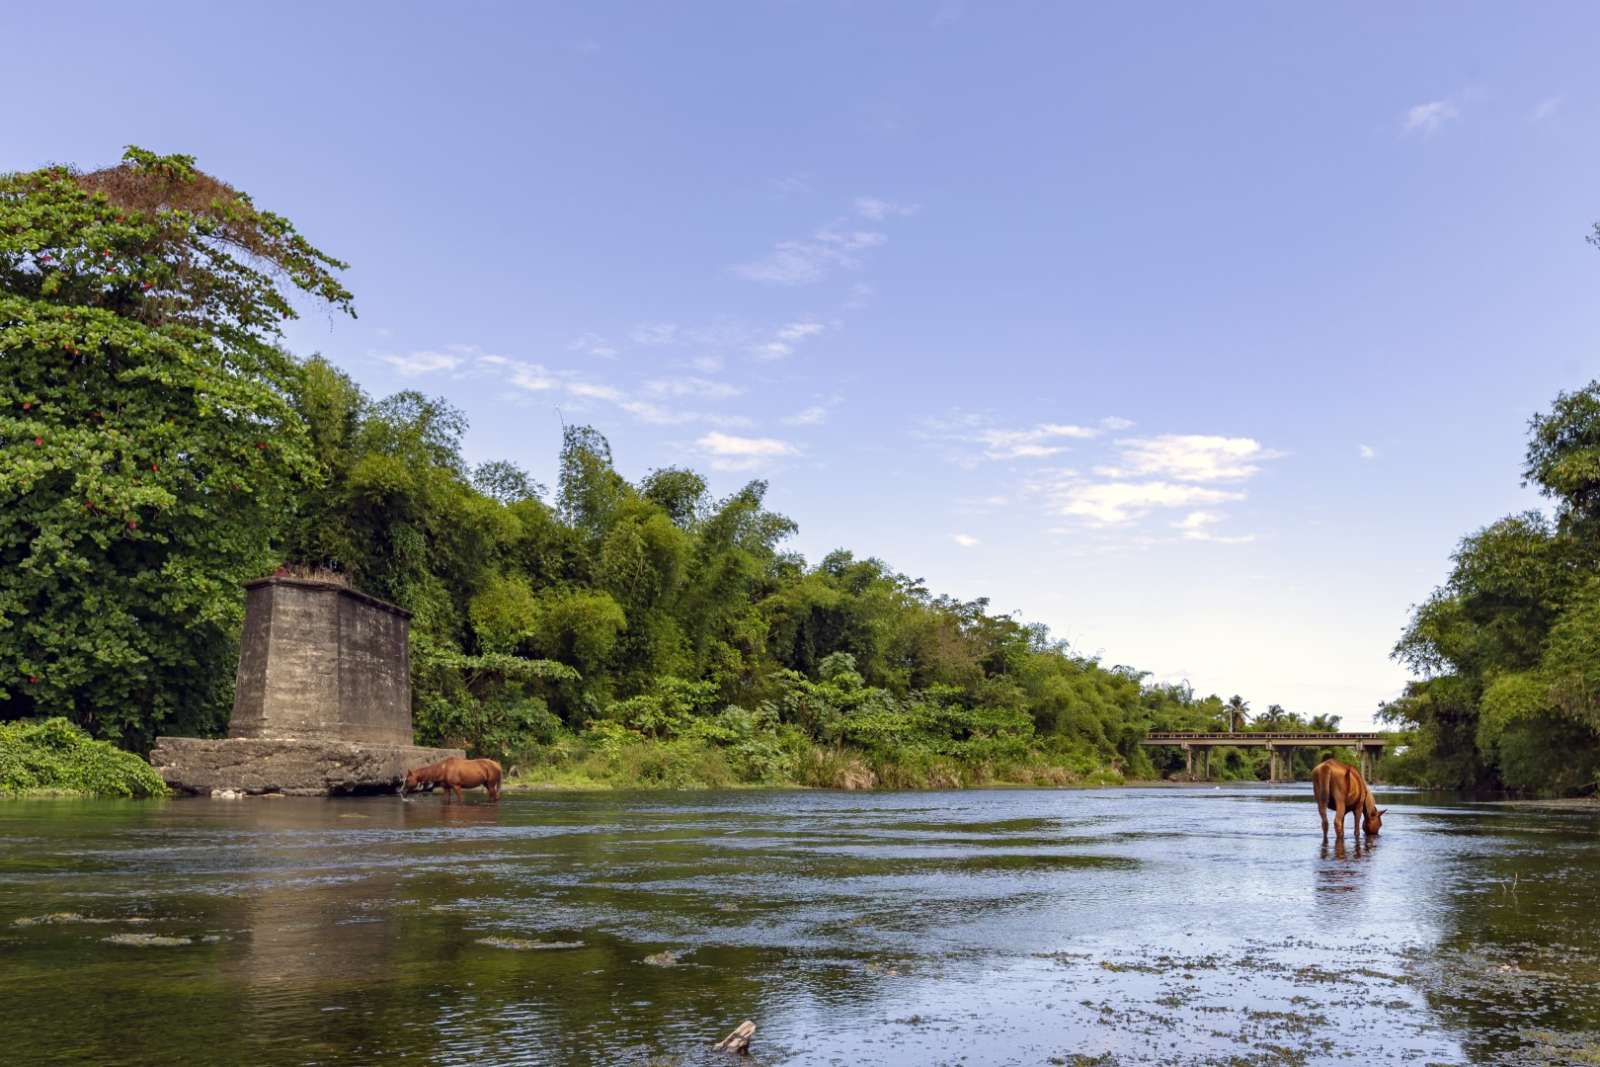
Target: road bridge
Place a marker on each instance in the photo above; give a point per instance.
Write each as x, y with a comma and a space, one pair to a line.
1280, 746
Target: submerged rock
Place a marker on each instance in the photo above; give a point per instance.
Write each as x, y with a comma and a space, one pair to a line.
523, 945
663, 959
146, 940
66, 917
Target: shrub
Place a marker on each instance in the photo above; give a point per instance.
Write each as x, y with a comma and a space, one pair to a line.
54, 754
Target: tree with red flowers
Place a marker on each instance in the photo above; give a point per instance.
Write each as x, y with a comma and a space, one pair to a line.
149, 447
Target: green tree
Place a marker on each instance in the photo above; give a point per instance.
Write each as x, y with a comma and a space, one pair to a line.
149, 446
1509, 695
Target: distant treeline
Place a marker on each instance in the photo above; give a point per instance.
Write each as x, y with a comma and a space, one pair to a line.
157, 449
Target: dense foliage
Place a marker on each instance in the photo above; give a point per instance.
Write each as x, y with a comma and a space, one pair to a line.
55, 756
1508, 645
157, 448
148, 443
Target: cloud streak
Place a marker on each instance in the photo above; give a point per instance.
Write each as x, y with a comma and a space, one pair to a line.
1428, 118
1189, 458
793, 263
729, 452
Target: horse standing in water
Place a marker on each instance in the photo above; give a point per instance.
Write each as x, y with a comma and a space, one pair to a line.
456, 774
1340, 787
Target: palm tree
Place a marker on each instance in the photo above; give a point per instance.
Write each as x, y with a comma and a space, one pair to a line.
1274, 719
1237, 711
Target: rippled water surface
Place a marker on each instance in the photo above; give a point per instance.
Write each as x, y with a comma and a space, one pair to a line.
1112, 926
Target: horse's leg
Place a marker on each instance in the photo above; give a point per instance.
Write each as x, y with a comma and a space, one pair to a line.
1338, 813
1322, 805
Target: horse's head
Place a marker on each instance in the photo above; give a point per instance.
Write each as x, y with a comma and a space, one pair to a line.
1374, 822
413, 781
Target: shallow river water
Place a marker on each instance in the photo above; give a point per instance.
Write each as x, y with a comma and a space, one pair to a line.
1192, 925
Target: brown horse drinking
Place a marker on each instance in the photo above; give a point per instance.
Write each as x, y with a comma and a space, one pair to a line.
456, 774
1340, 787
425, 777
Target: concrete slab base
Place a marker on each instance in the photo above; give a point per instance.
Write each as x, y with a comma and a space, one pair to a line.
285, 765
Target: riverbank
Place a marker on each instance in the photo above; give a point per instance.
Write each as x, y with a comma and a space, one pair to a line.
574, 763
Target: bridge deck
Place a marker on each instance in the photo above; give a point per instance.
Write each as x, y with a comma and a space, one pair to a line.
1269, 739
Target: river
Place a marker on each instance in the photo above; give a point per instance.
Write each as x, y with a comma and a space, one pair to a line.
1191, 925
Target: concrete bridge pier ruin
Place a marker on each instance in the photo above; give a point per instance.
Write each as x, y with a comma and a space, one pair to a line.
322, 699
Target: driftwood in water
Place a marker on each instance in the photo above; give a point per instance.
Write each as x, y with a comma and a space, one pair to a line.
739, 1040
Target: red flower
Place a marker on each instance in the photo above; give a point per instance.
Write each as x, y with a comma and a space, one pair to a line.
33, 679
37, 441
133, 524
27, 405
155, 466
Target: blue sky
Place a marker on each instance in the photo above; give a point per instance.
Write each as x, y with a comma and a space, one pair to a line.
1199, 333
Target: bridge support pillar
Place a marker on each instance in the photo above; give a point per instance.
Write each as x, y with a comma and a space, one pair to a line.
1188, 760
1369, 762
1205, 763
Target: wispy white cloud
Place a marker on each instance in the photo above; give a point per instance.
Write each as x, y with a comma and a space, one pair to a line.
1197, 526
1189, 458
722, 444
730, 452
700, 387
1367, 452
790, 185
965, 540
1547, 107
861, 294
1427, 119
973, 438
708, 364
1115, 423
785, 338
592, 345
655, 333
1113, 503
803, 262
811, 416
533, 377
648, 411
427, 361
1037, 442
870, 207
592, 391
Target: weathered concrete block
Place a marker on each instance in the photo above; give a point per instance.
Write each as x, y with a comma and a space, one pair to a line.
295, 766
322, 702
322, 661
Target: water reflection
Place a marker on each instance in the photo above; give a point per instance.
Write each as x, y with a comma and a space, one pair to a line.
894, 928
